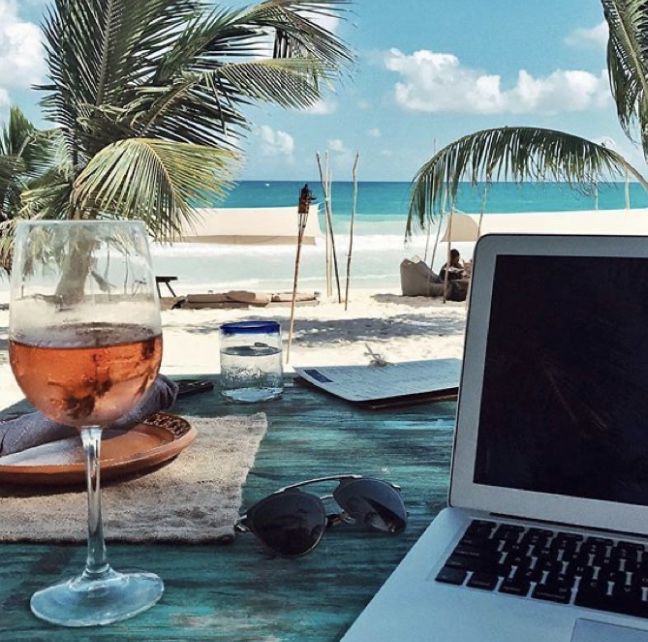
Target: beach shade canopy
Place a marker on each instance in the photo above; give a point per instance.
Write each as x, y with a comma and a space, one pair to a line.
465, 227
249, 226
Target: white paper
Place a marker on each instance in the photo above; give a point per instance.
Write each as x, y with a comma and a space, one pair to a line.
372, 383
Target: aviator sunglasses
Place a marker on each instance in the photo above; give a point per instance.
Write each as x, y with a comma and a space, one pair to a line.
292, 522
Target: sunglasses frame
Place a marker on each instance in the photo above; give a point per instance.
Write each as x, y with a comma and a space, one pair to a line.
331, 518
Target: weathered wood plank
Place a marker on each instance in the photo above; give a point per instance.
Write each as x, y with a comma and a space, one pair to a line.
239, 592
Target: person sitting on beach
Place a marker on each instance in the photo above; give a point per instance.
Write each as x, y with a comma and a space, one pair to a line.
456, 269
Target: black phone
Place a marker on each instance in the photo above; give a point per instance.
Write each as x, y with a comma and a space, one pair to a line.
188, 387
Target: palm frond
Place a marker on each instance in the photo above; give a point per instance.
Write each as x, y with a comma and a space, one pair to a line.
627, 57
154, 180
299, 34
7, 232
207, 123
16, 132
25, 154
11, 168
189, 110
21, 139
259, 80
225, 35
48, 197
511, 153
97, 49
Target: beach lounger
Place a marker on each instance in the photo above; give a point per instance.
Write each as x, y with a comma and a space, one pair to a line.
165, 280
417, 279
243, 299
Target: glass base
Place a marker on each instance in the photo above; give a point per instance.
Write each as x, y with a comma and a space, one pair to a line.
252, 395
94, 602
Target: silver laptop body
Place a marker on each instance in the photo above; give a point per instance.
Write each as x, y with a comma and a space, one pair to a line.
552, 435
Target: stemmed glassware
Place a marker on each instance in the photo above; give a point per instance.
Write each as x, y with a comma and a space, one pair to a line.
85, 345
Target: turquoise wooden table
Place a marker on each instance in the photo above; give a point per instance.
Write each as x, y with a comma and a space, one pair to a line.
238, 592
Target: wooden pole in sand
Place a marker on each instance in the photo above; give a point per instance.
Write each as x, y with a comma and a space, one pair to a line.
429, 234
447, 271
326, 187
329, 217
479, 228
627, 191
305, 198
481, 211
354, 203
427, 243
325, 181
438, 235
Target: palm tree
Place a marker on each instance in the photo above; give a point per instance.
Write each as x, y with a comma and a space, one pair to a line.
530, 153
148, 99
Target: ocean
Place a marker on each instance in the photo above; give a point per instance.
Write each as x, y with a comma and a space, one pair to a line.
379, 235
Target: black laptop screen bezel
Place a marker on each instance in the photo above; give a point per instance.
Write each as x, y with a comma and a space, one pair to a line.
464, 491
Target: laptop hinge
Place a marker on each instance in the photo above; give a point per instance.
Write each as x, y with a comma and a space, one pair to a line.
568, 525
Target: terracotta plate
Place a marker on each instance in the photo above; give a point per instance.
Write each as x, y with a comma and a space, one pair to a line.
148, 445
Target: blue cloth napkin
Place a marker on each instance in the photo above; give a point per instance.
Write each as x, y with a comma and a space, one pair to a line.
34, 428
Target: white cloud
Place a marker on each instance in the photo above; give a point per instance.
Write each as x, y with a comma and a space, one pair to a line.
388, 153
597, 36
337, 145
438, 82
22, 60
374, 132
322, 107
276, 143
364, 104
341, 156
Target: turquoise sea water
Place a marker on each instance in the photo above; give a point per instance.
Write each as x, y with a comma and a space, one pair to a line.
387, 203
379, 244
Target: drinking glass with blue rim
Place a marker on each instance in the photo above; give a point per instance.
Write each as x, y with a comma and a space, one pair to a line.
251, 361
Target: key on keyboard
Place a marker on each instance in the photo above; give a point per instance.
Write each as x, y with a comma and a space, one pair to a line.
568, 568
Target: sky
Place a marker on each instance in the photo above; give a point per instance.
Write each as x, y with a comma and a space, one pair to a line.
426, 73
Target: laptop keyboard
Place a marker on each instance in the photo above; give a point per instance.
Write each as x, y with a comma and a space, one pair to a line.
594, 572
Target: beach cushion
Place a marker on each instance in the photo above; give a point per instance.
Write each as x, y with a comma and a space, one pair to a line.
458, 290
253, 298
286, 297
417, 279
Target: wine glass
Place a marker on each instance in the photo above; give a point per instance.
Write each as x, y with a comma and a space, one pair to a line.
85, 345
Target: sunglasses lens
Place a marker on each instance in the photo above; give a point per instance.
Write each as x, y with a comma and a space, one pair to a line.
373, 503
291, 523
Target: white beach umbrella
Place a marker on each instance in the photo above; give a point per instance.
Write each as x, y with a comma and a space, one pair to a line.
466, 227
249, 226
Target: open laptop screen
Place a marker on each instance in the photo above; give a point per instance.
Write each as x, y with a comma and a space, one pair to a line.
564, 406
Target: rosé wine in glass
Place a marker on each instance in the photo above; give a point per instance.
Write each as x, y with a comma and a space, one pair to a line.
86, 375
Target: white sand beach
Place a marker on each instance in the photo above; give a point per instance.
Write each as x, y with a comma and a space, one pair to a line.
398, 328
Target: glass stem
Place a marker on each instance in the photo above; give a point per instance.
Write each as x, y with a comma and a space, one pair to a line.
97, 561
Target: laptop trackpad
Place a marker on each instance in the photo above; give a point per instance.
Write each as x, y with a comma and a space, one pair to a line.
591, 631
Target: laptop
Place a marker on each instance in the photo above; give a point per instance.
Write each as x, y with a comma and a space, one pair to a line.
545, 538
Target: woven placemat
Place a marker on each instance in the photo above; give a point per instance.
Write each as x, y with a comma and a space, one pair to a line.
196, 498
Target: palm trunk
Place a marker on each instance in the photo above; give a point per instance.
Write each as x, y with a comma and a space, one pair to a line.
75, 270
